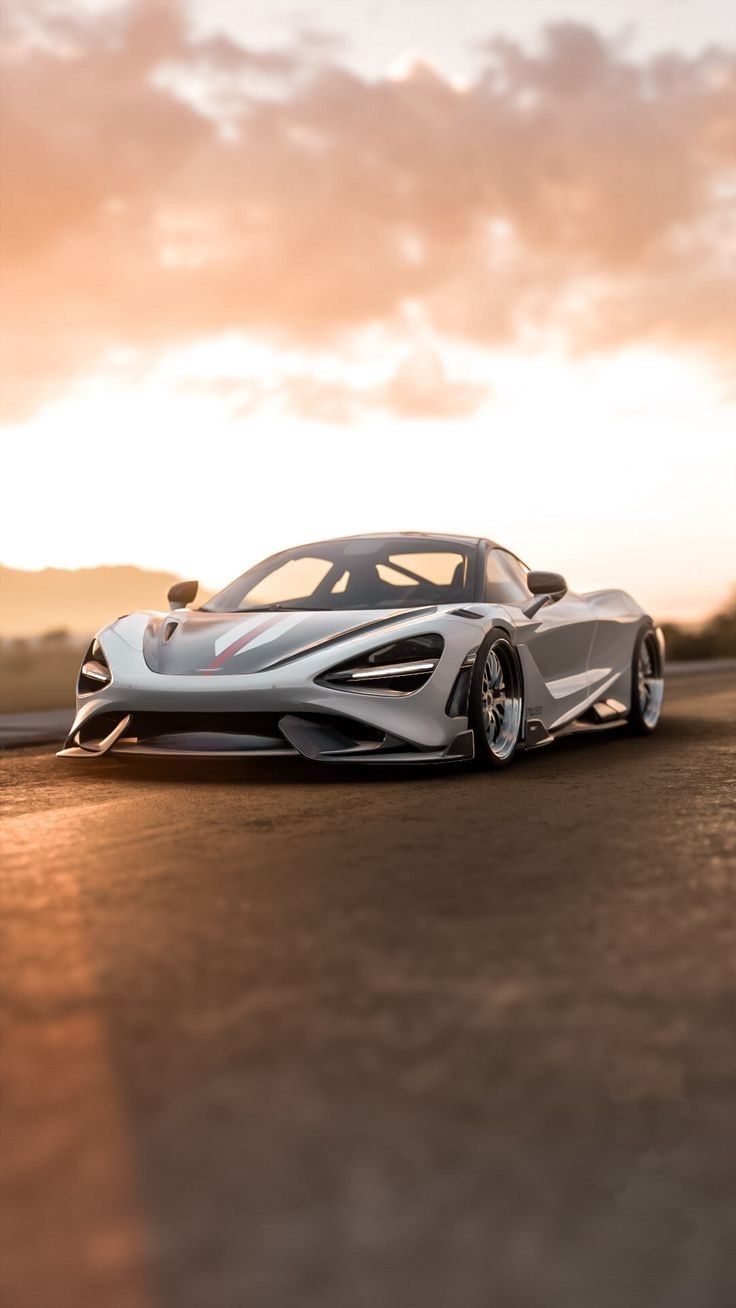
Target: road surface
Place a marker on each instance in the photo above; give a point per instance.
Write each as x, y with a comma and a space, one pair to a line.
279, 1037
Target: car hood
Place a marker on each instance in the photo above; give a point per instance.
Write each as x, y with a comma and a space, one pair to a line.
186, 642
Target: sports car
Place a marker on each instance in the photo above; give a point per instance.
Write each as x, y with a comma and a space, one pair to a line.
399, 648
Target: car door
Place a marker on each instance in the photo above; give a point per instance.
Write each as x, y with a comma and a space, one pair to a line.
557, 638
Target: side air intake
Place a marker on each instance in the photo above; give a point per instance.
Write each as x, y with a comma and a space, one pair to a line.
95, 670
396, 669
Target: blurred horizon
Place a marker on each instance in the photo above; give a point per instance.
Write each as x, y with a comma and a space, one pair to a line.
274, 273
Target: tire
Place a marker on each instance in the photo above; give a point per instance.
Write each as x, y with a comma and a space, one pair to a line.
647, 683
496, 708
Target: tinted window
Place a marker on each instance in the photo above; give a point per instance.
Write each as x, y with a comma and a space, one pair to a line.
363, 573
505, 579
292, 579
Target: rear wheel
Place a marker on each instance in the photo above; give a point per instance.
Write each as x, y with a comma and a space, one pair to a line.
647, 683
496, 701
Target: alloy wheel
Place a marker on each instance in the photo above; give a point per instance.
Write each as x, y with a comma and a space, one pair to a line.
501, 699
650, 682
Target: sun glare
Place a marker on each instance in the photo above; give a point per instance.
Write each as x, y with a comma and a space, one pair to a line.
590, 468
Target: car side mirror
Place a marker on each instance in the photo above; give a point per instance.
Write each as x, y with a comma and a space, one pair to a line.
548, 588
547, 583
182, 593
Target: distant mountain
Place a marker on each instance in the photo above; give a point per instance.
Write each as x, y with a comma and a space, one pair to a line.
80, 601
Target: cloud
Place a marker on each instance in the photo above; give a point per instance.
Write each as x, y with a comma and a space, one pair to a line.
418, 387
159, 189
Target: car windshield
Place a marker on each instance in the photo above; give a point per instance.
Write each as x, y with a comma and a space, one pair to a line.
359, 573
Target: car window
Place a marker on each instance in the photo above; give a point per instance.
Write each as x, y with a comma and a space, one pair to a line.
505, 579
393, 577
439, 567
295, 579
364, 572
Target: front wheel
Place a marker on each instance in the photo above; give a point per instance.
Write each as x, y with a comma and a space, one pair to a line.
647, 683
496, 701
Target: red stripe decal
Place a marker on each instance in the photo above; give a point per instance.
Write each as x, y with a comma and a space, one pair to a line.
241, 643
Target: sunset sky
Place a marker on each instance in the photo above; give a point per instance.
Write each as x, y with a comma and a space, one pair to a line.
276, 271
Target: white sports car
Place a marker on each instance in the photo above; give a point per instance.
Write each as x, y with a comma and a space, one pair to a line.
404, 648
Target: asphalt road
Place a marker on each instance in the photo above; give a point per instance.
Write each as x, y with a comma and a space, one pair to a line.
278, 1037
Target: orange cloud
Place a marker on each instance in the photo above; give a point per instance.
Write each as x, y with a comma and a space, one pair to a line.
158, 189
418, 388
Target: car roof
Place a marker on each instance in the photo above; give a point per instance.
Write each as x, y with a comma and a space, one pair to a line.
450, 537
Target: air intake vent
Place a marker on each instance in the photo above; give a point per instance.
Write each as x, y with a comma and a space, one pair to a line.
95, 671
169, 630
396, 669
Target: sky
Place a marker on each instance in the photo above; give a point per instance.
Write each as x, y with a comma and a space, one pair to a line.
276, 272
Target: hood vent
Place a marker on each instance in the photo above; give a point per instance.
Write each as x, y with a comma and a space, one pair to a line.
169, 630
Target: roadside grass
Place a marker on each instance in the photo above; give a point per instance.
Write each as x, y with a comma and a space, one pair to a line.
38, 675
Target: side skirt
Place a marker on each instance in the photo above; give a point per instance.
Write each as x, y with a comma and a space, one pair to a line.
536, 734
604, 715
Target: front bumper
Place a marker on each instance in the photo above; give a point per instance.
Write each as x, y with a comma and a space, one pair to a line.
326, 738
281, 713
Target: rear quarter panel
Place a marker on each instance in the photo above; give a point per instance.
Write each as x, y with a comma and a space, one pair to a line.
617, 619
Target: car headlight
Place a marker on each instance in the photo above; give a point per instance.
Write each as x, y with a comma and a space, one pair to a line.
95, 670
395, 669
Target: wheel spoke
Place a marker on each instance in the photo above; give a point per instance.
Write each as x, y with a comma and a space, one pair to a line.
501, 701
